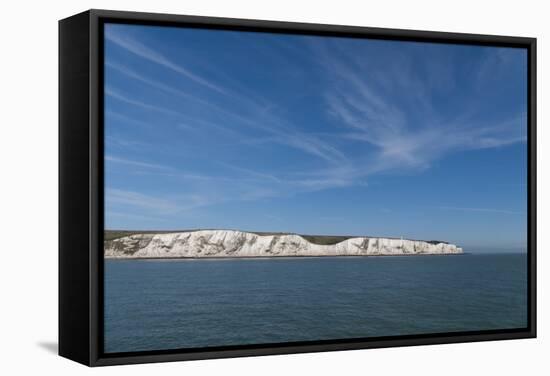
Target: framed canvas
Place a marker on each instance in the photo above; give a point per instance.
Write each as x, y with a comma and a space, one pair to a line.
237, 187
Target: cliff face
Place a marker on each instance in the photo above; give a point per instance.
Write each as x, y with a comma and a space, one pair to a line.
229, 243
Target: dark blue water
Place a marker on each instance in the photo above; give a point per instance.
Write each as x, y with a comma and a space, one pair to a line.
156, 305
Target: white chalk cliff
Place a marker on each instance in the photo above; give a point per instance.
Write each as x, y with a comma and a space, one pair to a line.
229, 243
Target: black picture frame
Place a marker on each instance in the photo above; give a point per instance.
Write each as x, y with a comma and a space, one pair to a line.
81, 186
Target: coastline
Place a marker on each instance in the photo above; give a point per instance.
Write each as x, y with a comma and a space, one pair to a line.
279, 257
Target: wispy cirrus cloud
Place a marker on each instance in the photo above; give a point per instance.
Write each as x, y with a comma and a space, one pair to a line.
138, 48
130, 73
111, 214
248, 110
148, 168
233, 183
157, 204
110, 91
182, 123
120, 197
134, 163
109, 114
403, 134
253, 116
382, 120
482, 210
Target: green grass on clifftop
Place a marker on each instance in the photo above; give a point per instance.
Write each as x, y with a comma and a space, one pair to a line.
315, 239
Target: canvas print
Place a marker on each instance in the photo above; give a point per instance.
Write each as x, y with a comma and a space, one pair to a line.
266, 188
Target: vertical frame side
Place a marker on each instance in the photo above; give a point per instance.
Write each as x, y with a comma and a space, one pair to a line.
74, 272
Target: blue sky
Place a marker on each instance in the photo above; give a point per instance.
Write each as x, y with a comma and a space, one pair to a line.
315, 135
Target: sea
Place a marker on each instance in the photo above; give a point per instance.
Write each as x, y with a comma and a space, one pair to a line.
194, 303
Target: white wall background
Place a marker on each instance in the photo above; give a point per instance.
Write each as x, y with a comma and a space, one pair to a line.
28, 188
